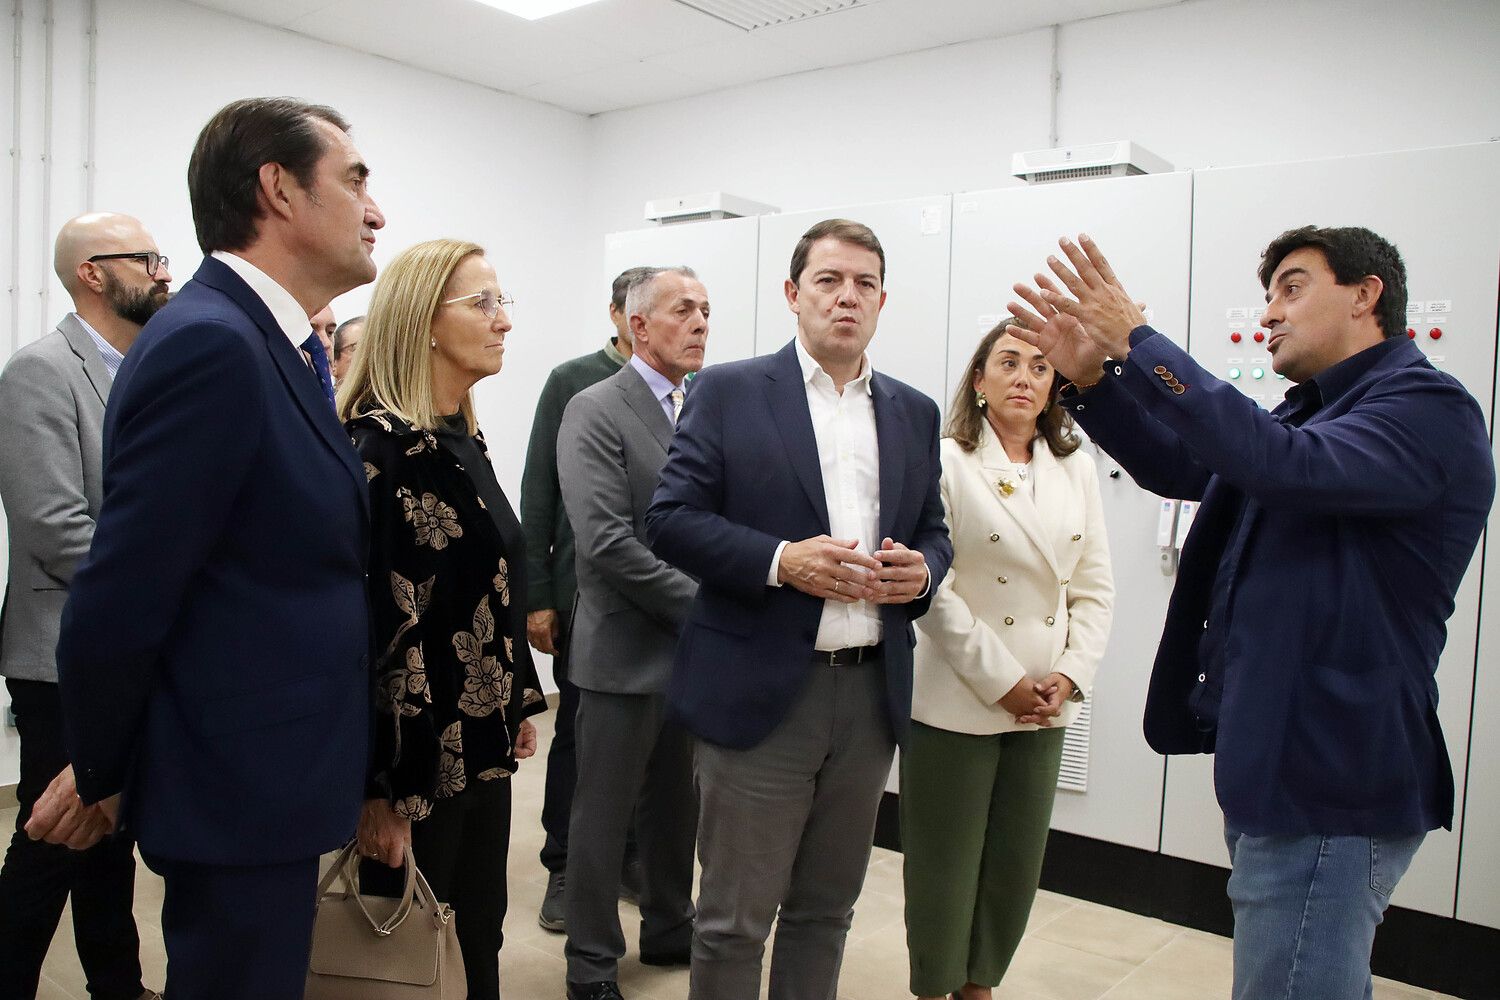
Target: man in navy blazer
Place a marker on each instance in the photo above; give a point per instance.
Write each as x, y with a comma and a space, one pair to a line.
1304, 631
212, 659
801, 489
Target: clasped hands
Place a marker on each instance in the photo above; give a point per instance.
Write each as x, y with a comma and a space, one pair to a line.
1080, 333
61, 817
834, 570
1038, 702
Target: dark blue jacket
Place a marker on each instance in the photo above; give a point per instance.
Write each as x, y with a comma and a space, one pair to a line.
214, 642
743, 475
1342, 538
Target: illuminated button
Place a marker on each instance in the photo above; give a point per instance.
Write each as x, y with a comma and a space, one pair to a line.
1234, 373
1435, 333
1411, 334
1235, 337
1257, 373
1259, 336
1280, 377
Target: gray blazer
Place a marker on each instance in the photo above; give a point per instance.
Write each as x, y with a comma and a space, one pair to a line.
52, 396
631, 605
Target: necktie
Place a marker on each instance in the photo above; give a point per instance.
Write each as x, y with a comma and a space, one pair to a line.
313, 345
676, 405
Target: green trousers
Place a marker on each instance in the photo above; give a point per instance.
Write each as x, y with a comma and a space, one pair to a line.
974, 817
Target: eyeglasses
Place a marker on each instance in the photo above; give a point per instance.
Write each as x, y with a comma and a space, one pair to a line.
153, 259
490, 301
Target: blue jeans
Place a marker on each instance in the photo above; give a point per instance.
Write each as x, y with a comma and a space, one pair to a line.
1306, 909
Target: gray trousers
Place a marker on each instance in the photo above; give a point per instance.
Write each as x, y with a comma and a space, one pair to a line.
784, 834
630, 763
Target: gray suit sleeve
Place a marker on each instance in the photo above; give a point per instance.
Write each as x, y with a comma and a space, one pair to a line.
596, 492
41, 466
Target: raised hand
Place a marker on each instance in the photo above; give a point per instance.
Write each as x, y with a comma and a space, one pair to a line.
1056, 334
1099, 301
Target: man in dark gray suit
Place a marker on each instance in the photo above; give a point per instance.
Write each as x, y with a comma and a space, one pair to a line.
631, 606
52, 397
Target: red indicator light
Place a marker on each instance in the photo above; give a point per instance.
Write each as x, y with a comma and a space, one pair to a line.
1411, 334
1435, 333
1235, 337
1259, 336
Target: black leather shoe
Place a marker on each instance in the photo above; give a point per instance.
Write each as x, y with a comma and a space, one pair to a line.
550, 916
682, 956
605, 990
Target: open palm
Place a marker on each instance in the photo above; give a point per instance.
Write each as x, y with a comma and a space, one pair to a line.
1061, 337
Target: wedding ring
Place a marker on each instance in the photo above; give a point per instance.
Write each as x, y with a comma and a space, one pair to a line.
836, 586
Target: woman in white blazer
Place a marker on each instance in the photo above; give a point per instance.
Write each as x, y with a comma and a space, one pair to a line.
1005, 656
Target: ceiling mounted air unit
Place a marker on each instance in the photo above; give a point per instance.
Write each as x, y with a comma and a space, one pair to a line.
752, 14
1101, 159
697, 207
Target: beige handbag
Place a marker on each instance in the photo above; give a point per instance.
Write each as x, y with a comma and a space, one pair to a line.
375, 948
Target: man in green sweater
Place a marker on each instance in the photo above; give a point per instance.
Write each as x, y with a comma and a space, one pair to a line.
552, 584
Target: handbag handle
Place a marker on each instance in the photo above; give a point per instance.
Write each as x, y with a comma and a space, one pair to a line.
415, 890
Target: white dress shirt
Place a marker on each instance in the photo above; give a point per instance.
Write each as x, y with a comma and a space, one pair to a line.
288, 315
849, 456
107, 353
661, 387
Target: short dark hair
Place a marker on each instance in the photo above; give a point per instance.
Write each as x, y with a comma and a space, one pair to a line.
622, 284
224, 172
1353, 254
843, 230
341, 331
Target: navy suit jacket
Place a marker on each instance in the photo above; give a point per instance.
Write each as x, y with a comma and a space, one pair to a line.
214, 643
743, 475
1341, 541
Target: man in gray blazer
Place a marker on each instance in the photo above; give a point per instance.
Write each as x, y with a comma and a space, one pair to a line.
611, 446
52, 397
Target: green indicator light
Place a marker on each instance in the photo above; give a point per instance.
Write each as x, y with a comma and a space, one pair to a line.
1234, 373
1257, 373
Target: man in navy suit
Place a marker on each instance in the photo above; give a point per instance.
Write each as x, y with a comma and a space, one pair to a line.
213, 650
802, 491
1304, 631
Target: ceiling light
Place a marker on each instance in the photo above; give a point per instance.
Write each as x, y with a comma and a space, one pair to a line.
531, 10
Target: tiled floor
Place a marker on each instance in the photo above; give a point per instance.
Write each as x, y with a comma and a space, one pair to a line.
1073, 950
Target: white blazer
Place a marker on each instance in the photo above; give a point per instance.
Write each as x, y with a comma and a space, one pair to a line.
1030, 590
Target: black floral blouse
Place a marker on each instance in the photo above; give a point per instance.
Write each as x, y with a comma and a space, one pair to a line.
453, 674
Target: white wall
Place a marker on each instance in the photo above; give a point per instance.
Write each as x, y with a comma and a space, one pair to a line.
1204, 83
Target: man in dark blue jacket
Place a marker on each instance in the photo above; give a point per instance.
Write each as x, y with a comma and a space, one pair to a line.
801, 489
1303, 634
216, 696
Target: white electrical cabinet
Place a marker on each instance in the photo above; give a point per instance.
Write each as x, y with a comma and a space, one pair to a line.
1143, 225
722, 252
1427, 202
912, 335
1479, 861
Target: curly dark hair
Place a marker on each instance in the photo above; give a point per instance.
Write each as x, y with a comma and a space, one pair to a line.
1353, 254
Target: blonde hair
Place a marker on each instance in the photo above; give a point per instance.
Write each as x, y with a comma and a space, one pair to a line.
392, 369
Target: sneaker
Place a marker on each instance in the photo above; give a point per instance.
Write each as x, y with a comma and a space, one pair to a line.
551, 914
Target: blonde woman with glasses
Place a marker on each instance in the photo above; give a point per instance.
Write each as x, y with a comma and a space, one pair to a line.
454, 680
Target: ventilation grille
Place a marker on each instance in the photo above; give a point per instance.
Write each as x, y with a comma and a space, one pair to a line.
1074, 775
1073, 173
753, 14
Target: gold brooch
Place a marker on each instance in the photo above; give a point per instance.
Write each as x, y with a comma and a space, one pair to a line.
1005, 486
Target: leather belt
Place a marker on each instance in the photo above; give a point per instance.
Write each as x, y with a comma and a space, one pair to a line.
848, 656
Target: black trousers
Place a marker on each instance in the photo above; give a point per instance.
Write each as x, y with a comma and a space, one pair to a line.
37, 878
562, 766
461, 848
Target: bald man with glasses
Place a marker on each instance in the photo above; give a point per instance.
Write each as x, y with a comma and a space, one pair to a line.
52, 397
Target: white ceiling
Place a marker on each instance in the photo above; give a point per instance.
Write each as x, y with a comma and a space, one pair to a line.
622, 53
